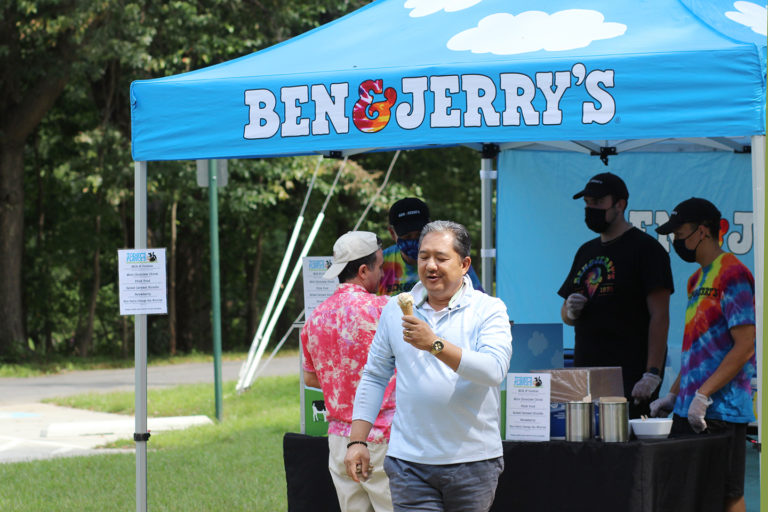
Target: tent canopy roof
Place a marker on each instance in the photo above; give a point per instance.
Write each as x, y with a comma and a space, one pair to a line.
414, 73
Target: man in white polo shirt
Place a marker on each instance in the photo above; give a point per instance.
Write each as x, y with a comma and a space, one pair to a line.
451, 355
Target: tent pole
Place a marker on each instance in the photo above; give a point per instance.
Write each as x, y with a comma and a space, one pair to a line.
140, 435
213, 221
487, 251
758, 208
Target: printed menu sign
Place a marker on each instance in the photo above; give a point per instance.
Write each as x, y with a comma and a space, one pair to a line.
142, 281
528, 396
316, 289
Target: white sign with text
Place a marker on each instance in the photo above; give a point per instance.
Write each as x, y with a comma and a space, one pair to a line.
142, 277
528, 396
316, 289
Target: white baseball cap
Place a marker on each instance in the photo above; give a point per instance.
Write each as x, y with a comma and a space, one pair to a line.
351, 246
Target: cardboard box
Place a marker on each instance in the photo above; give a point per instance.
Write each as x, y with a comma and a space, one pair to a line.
573, 384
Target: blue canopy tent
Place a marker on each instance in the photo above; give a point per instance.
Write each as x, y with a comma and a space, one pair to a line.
492, 74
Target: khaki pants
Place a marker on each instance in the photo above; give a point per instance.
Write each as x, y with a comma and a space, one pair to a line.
371, 495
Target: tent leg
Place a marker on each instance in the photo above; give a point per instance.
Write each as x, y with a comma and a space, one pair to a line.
487, 251
213, 220
759, 199
140, 344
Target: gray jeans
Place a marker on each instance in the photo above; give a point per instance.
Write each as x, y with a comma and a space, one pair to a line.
463, 487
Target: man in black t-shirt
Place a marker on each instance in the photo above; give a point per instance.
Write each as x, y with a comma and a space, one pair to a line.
617, 295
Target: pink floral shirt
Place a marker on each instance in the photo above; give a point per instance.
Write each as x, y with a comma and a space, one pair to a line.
335, 342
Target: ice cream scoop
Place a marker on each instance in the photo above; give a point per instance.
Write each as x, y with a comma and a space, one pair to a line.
405, 301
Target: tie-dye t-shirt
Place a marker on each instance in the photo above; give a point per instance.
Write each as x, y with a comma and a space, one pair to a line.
720, 296
400, 276
335, 342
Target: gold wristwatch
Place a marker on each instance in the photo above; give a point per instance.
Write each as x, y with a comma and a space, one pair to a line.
437, 346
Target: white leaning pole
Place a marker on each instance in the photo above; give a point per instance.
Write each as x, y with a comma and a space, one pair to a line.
378, 190
245, 368
268, 309
283, 298
291, 281
140, 435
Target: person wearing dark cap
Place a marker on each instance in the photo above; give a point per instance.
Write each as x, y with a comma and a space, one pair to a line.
407, 217
712, 393
617, 294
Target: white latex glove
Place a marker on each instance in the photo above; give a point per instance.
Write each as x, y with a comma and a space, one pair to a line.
574, 304
697, 410
645, 387
661, 407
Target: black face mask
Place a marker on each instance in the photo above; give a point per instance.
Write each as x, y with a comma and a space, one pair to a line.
595, 219
686, 254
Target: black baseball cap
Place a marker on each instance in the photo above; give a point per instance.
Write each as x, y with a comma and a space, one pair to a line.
600, 185
408, 214
696, 210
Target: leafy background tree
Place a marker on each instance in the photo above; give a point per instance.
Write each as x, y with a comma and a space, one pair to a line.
66, 177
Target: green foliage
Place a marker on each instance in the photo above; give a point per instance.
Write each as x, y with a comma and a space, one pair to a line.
78, 176
234, 465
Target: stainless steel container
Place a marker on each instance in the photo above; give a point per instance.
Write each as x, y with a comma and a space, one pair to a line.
614, 421
579, 419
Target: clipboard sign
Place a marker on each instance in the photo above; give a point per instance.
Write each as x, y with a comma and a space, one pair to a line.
142, 278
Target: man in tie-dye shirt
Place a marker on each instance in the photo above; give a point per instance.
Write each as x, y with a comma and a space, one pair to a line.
712, 394
407, 217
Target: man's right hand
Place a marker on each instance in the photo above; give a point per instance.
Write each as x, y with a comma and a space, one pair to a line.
357, 461
574, 305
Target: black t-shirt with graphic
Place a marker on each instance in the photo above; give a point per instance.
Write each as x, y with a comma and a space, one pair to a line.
616, 277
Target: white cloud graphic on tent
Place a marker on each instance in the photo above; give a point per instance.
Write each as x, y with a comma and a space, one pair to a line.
750, 15
506, 34
427, 7
537, 343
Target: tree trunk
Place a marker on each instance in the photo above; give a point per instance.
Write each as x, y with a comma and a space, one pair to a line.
253, 303
17, 122
172, 281
86, 341
12, 335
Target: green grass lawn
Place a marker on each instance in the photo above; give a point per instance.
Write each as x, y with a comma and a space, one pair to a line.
236, 465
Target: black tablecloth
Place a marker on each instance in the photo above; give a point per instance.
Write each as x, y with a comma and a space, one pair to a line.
668, 475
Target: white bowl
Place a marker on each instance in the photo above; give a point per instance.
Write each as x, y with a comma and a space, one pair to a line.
651, 428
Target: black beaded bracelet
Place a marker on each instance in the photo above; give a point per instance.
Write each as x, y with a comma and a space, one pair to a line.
357, 442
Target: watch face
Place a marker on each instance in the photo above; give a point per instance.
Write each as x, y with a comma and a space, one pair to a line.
437, 346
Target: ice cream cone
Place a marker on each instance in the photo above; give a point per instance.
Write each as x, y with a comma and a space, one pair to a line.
405, 301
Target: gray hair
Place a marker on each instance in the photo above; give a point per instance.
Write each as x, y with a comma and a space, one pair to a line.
461, 239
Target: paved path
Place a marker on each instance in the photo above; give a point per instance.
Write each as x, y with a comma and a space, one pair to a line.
31, 430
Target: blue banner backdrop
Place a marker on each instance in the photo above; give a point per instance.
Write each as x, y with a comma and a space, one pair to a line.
539, 226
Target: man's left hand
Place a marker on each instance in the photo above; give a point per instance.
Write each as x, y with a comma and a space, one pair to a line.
697, 410
418, 333
645, 387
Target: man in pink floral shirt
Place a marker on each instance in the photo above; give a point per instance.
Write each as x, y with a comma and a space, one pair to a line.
335, 342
